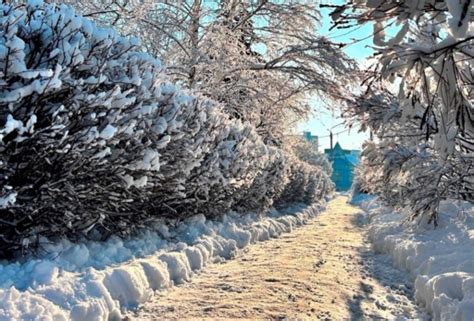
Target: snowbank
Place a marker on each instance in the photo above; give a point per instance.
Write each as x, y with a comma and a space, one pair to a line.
97, 281
441, 260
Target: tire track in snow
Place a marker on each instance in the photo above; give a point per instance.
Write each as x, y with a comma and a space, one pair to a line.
324, 270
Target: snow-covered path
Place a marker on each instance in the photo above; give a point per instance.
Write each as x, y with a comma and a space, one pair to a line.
324, 270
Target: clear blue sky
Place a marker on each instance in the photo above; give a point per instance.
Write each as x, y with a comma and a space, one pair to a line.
323, 119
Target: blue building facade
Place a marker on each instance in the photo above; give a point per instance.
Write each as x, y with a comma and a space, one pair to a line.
309, 137
343, 163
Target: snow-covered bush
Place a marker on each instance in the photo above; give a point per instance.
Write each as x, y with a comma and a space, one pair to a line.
96, 141
268, 183
307, 152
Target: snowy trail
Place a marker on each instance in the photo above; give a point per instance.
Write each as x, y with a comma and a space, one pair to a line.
324, 270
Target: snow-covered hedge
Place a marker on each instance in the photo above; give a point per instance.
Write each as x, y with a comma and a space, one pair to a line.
95, 141
307, 152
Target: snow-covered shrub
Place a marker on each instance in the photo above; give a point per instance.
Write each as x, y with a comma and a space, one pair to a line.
96, 141
285, 179
305, 182
267, 184
307, 152
84, 117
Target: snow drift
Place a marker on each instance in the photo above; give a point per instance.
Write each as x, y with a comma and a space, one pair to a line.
98, 280
441, 260
95, 141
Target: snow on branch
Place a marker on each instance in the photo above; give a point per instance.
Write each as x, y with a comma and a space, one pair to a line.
426, 125
261, 59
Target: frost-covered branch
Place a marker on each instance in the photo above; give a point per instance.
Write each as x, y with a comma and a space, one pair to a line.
95, 139
426, 126
220, 49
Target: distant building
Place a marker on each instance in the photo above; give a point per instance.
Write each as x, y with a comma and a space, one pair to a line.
343, 163
312, 139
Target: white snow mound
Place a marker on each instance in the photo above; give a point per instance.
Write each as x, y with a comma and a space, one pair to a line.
98, 281
440, 260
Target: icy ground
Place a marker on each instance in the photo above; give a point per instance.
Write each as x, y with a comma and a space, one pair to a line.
440, 261
323, 270
100, 280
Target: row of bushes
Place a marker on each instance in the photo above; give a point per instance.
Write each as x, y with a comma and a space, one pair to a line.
95, 141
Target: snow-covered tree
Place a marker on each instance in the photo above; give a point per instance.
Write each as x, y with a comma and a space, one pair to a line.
261, 59
404, 166
426, 130
95, 140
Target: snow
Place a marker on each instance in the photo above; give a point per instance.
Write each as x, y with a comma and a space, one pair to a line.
15, 305
151, 159
460, 11
440, 261
108, 132
11, 125
45, 272
99, 280
7, 200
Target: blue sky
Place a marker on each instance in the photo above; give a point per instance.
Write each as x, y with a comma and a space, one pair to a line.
323, 120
